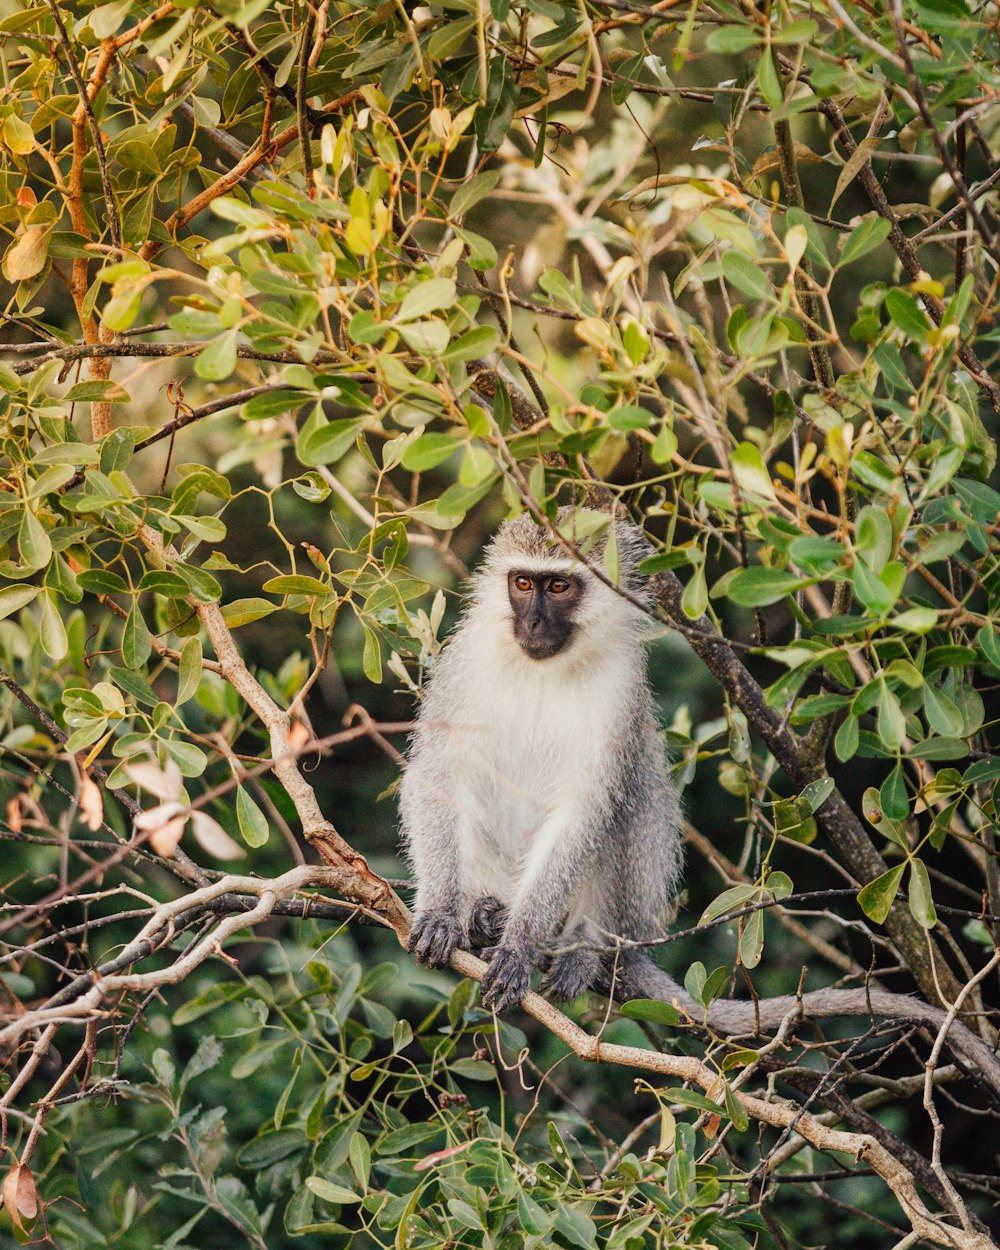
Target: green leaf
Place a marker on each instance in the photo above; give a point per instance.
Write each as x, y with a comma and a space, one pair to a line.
758, 586
117, 449
533, 1218
102, 582
51, 630
252, 821
14, 598
330, 1192
891, 721
731, 39
744, 274
894, 799
218, 360
906, 314
163, 582
988, 642
631, 417
847, 740
694, 601
817, 792
872, 590
330, 442
191, 760
802, 30
768, 81
137, 642
752, 940
275, 404
371, 663
736, 1111
751, 472
429, 296
472, 191
203, 585
33, 541
208, 529
269, 1148
942, 713
729, 900
651, 1009
477, 342
133, 684
296, 584
430, 450
106, 19
874, 540
692, 1098
429, 338
482, 253
921, 900
576, 1227
244, 611
876, 898
864, 238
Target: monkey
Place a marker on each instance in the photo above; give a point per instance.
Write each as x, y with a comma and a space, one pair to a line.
537, 807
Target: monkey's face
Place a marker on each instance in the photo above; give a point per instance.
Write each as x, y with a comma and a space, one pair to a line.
545, 606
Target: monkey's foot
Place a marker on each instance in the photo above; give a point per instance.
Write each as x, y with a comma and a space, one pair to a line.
486, 921
507, 979
571, 974
435, 934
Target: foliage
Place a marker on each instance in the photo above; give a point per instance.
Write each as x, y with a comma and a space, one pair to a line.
299, 300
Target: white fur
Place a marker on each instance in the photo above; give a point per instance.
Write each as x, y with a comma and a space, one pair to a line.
525, 765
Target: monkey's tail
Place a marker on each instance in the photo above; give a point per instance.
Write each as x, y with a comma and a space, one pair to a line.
743, 1018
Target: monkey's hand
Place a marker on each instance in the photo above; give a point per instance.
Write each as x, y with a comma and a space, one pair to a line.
434, 936
486, 921
508, 978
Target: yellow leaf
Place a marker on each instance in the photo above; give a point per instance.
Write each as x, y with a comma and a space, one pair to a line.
26, 256
18, 135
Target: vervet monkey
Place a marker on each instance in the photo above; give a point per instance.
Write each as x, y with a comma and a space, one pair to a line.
537, 808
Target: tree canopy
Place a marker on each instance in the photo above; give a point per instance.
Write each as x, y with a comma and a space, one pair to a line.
300, 298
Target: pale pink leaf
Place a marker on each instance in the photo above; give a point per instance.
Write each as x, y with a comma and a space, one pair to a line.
211, 837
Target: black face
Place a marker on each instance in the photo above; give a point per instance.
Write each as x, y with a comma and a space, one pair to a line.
545, 605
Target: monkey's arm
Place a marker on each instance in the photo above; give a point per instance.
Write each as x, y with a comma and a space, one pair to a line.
564, 851
432, 832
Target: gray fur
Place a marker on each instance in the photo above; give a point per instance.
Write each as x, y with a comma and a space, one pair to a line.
542, 784
538, 810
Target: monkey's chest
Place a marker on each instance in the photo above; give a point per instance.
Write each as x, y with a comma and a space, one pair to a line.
519, 776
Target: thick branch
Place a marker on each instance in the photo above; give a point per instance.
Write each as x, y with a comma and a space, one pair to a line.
836, 817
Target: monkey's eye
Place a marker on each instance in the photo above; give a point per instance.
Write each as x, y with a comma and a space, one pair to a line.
523, 584
558, 586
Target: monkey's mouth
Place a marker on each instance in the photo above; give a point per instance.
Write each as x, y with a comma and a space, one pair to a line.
542, 648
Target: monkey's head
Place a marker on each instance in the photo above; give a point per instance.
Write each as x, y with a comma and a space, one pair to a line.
554, 603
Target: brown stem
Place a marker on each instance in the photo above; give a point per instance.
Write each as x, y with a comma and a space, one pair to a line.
819, 352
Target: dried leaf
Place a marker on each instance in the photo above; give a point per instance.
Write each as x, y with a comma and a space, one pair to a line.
438, 1156
166, 783
19, 1195
26, 256
14, 819
165, 839
91, 803
298, 735
213, 839
165, 826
